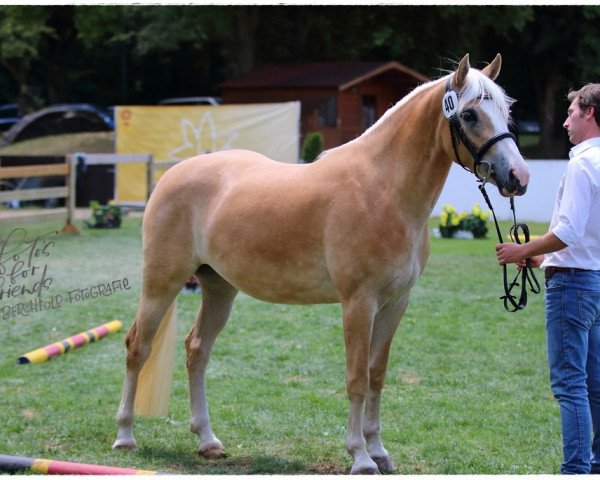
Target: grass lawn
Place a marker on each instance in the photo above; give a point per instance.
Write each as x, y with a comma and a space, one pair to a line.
467, 389
96, 142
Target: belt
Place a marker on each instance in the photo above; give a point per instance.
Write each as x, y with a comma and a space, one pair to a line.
552, 270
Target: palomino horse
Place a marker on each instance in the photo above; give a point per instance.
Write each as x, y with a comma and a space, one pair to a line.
351, 227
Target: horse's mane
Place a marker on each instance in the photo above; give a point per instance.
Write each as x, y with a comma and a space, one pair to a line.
478, 86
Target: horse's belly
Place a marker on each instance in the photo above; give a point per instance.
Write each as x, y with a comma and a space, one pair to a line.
277, 284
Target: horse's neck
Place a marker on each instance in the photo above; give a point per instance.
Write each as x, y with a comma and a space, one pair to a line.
407, 150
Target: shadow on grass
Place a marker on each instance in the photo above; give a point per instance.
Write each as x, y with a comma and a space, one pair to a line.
179, 463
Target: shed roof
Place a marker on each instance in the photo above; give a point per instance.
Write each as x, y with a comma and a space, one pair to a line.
339, 75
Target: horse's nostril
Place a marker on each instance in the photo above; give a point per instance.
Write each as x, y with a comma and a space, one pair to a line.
514, 184
513, 181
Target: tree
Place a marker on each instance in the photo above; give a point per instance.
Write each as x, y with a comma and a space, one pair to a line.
157, 46
22, 30
553, 51
114, 54
546, 48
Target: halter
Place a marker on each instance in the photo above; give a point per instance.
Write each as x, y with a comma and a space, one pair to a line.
457, 132
484, 171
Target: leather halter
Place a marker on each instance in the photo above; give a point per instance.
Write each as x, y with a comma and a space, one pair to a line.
458, 135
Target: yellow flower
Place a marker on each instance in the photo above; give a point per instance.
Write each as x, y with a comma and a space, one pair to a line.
443, 219
455, 221
476, 210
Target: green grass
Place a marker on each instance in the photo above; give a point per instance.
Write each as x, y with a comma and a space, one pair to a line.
92, 142
467, 389
529, 140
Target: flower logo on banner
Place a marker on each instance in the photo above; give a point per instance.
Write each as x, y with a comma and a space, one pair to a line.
201, 138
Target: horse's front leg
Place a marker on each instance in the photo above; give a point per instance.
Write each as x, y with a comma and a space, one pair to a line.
358, 322
384, 328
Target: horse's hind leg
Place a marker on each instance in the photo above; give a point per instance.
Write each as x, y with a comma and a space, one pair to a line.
384, 327
161, 283
139, 341
217, 299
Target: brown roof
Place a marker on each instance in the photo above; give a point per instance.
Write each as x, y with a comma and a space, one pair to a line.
340, 75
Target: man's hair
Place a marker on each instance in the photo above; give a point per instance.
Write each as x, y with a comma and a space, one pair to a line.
588, 96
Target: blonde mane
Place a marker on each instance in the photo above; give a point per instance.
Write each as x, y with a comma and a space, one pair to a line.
390, 111
477, 87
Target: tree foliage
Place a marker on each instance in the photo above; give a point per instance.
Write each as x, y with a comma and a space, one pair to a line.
119, 54
22, 30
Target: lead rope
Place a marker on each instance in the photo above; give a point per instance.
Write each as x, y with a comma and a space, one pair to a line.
527, 275
457, 134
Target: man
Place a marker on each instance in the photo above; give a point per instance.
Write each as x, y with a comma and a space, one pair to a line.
570, 254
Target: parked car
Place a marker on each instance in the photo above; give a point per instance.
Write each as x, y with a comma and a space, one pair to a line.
59, 119
9, 115
528, 126
191, 101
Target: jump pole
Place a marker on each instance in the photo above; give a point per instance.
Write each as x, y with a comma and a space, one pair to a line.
58, 348
13, 464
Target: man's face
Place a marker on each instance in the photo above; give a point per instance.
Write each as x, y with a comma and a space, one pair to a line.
575, 123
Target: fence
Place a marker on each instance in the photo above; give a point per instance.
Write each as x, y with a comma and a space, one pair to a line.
68, 169
114, 159
29, 216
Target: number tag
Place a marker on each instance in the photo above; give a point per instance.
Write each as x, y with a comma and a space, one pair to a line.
450, 103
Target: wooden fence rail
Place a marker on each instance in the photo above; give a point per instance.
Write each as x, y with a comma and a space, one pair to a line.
67, 192
69, 171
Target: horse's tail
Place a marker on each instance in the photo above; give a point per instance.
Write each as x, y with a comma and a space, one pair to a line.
154, 381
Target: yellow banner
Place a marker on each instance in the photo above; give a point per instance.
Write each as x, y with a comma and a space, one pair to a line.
176, 133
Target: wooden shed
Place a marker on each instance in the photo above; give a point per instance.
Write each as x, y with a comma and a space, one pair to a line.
338, 99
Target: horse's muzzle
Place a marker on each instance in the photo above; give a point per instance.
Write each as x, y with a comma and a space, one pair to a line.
512, 186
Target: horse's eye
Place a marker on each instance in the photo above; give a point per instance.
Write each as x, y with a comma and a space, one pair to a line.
469, 116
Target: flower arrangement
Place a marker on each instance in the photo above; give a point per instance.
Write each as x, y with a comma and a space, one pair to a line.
105, 216
449, 221
475, 221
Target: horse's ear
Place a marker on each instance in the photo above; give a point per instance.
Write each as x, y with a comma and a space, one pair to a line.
461, 72
493, 69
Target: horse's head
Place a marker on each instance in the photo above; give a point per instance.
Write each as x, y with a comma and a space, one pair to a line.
478, 112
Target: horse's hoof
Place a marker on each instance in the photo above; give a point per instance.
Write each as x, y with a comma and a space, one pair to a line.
125, 444
384, 464
212, 451
365, 471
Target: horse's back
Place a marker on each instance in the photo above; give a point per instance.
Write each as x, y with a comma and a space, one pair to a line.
196, 183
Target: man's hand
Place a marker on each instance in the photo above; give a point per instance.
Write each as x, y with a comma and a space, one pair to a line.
510, 253
513, 253
533, 251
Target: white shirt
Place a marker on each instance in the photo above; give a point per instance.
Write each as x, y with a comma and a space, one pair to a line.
576, 216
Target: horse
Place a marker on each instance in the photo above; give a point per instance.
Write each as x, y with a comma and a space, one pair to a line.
350, 228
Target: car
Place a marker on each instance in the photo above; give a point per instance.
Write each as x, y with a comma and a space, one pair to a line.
9, 115
61, 118
528, 126
191, 101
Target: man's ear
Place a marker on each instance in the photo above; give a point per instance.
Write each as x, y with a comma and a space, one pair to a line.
590, 112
